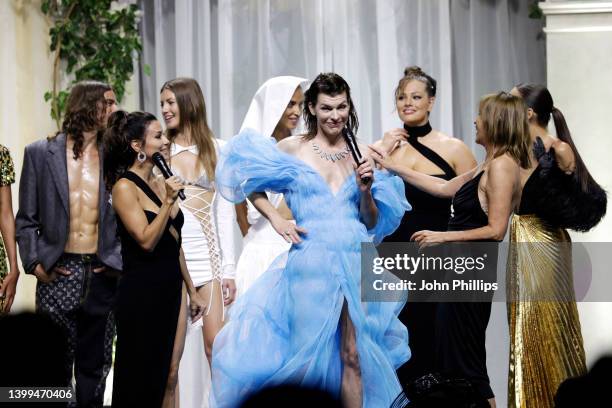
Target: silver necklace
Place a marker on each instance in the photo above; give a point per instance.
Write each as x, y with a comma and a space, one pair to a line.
332, 157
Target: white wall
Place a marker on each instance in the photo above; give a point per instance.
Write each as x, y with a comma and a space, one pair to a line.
579, 70
26, 74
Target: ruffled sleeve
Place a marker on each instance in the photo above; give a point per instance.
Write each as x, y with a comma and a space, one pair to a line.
573, 207
250, 162
390, 199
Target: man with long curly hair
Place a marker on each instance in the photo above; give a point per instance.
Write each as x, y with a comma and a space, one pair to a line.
67, 238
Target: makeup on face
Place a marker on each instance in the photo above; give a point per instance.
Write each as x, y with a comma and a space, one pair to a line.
414, 104
156, 141
170, 109
293, 112
332, 113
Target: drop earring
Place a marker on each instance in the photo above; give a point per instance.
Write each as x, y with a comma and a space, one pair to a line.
141, 157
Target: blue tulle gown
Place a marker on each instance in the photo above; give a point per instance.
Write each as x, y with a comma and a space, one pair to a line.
285, 328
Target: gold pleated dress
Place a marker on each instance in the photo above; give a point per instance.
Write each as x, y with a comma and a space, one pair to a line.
545, 339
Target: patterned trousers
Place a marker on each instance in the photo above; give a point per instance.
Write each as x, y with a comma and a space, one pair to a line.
81, 304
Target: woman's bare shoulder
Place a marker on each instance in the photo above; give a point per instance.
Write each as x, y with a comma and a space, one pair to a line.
504, 164
563, 149
290, 144
123, 185
455, 145
124, 190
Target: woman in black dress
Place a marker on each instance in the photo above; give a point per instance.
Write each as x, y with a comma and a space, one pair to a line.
151, 288
483, 199
431, 152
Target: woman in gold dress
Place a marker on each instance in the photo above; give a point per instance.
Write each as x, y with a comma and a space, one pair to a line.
545, 338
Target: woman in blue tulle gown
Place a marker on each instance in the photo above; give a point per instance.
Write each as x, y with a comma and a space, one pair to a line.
303, 321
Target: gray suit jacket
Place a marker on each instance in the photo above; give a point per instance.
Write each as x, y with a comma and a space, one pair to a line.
43, 216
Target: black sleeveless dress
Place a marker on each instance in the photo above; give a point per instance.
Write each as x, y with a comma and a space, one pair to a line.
147, 310
428, 213
461, 326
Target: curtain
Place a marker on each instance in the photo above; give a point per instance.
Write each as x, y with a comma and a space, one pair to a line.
495, 46
232, 46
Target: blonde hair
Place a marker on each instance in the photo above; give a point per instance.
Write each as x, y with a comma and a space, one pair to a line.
504, 121
192, 110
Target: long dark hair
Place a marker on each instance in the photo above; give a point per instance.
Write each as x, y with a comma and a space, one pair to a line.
123, 128
538, 98
84, 112
192, 110
330, 84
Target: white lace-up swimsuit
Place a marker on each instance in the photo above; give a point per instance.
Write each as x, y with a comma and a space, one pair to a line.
207, 236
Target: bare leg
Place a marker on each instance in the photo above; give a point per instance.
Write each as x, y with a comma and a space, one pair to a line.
351, 373
179, 343
213, 318
492, 402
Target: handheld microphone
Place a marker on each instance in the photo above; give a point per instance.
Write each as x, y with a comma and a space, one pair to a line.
351, 142
161, 164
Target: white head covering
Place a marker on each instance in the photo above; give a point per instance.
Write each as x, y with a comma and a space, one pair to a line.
267, 108
269, 104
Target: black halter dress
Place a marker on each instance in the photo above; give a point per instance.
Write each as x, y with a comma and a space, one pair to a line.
428, 213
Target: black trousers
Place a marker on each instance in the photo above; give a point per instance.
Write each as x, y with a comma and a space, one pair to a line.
81, 304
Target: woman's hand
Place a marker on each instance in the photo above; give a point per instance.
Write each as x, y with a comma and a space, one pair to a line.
393, 138
197, 306
382, 158
8, 289
173, 186
427, 238
287, 229
228, 287
364, 171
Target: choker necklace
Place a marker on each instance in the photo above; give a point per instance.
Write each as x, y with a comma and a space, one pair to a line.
332, 157
418, 131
